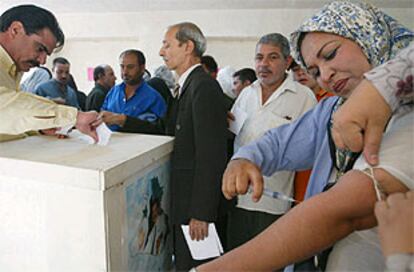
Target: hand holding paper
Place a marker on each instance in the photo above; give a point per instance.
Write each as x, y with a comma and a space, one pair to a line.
240, 117
204, 249
198, 229
102, 131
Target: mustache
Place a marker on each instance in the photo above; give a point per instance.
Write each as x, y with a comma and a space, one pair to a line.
34, 63
264, 70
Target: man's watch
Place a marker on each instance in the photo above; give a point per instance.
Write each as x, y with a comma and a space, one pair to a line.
193, 270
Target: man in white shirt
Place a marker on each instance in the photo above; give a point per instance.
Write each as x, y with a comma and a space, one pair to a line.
271, 101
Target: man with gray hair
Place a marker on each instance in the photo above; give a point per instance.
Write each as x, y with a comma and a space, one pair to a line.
196, 116
272, 100
199, 156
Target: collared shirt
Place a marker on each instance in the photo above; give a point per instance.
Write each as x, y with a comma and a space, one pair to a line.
52, 89
21, 111
145, 104
184, 76
288, 102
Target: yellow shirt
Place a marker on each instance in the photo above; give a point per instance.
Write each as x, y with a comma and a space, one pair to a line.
20, 111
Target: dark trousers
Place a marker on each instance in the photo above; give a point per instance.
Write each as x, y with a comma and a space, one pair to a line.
243, 225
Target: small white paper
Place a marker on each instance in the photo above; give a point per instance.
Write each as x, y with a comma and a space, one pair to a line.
240, 117
210, 247
104, 134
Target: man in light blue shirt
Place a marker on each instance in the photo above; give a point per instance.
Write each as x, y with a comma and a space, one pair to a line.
133, 98
57, 89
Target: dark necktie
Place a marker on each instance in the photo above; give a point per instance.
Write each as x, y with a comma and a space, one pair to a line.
176, 91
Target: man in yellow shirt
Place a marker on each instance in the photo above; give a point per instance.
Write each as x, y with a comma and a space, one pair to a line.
28, 34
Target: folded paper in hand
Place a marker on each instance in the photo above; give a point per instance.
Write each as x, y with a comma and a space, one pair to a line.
210, 247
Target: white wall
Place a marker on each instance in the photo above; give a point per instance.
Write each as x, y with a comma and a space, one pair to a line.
98, 38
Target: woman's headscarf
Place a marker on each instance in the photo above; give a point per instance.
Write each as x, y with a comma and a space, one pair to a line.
379, 35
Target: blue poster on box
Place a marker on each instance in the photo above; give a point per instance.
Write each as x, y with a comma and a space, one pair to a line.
149, 234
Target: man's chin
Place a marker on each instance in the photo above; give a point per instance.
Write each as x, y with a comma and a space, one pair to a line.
27, 66
24, 68
131, 82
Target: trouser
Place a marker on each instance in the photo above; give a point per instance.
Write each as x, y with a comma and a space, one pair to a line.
243, 225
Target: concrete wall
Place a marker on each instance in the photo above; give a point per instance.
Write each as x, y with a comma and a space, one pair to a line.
96, 38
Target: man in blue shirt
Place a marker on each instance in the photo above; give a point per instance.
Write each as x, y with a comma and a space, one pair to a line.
57, 89
133, 98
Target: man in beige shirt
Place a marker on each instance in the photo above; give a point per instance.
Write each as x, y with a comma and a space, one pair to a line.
28, 34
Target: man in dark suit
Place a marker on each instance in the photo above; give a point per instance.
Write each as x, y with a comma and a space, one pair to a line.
197, 118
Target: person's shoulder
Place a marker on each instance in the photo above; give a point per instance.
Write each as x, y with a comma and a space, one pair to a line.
198, 74
249, 91
94, 91
331, 100
151, 91
71, 90
115, 89
301, 89
326, 104
44, 86
200, 81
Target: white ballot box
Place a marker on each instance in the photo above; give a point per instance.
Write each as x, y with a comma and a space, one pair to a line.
69, 206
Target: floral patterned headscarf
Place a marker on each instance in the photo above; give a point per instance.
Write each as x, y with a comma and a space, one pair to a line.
379, 35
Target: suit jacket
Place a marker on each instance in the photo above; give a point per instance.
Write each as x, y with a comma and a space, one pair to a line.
198, 122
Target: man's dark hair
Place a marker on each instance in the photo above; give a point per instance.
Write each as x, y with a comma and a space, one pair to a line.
34, 19
210, 63
60, 60
140, 56
246, 74
98, 72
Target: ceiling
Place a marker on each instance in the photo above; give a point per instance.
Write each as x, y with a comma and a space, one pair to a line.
103, 6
